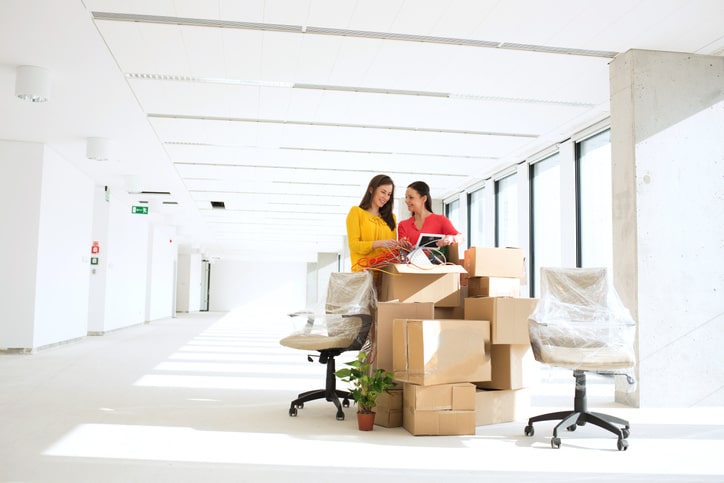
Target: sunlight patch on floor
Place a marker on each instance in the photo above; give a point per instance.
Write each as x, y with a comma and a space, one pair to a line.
183, 444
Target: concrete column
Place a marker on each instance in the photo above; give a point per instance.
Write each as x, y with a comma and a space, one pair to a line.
667, 144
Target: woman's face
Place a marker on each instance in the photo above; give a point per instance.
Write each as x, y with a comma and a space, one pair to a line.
382, 195
415, 203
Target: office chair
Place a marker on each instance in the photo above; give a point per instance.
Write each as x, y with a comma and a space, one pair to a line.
345, 326
580, 324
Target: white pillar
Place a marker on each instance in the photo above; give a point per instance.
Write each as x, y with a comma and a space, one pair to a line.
667, 120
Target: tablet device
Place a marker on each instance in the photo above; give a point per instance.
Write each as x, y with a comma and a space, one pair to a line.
428, 240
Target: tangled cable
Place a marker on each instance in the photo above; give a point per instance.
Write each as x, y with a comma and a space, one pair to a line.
403, 254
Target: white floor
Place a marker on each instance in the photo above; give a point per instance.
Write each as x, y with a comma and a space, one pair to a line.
205, 398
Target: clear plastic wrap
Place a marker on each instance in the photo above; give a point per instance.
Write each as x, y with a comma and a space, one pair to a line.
350, 293
580, 323
346, 320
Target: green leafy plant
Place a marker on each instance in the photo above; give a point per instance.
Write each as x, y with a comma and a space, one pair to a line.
367, 383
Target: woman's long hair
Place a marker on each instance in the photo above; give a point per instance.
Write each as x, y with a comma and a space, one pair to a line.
386, 210
423, 190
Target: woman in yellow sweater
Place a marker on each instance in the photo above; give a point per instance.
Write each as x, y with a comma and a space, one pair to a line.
372, 226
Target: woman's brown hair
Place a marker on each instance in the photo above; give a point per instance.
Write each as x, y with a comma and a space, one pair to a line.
386, 210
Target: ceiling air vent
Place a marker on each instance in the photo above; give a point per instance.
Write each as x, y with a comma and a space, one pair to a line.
218, 205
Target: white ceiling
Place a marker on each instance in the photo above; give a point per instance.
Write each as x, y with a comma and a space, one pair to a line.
284, 109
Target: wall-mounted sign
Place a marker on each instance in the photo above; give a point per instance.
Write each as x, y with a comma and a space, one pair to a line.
94, 260
139, 210
95, 248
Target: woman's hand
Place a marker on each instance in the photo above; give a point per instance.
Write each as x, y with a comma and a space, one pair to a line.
391, 243
447, 240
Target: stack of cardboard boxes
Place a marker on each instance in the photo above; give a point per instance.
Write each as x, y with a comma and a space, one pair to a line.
460, 360
494, 279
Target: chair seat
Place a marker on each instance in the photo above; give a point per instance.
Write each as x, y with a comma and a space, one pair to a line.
586, 359
316, 342
577, 346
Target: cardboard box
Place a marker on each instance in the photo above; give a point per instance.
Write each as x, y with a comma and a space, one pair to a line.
493, 287
388, 410
508, 317
501, 406
438, 423
429, 352
453, 254
448, 313
494, 262
386, 313
448, 397
388, 417
513, 367
392, 399
439, 284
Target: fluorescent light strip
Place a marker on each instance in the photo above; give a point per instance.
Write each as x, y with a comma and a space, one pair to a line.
267, 193
322, 150
338, 125
200, 22
353, 89
208, 80
390, 153
335, 170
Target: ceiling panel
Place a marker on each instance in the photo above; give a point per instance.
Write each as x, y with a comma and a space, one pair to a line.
284, 109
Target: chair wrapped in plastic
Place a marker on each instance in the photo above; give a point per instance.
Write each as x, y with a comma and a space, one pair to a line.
345, 326
580, 323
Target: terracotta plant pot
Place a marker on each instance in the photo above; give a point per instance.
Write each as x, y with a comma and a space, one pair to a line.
365, 421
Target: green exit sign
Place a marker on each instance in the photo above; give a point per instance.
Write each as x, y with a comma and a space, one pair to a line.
139, 210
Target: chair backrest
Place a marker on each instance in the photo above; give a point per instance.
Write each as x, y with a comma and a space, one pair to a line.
575, 286
350, 302
580, 323
350, 293
358, 327
347, 320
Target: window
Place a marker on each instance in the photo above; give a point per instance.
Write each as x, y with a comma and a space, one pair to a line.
506, 212
595, 239
452, 211
476, 208
545, 199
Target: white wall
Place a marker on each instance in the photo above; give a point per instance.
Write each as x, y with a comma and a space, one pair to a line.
161, 275
127, 265
278, 287
45, 245
194, 282
183, 274
99, 272
188, 282
66, 217
20, 194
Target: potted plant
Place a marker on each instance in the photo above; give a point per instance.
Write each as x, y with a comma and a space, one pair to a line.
367, 384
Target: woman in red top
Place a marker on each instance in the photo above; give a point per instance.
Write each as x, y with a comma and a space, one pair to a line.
423, 220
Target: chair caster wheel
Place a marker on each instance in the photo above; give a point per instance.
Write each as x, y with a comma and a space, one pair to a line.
622, 445
292, 412
529, 431
340, 416
555, 443
572, 427
345, 403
